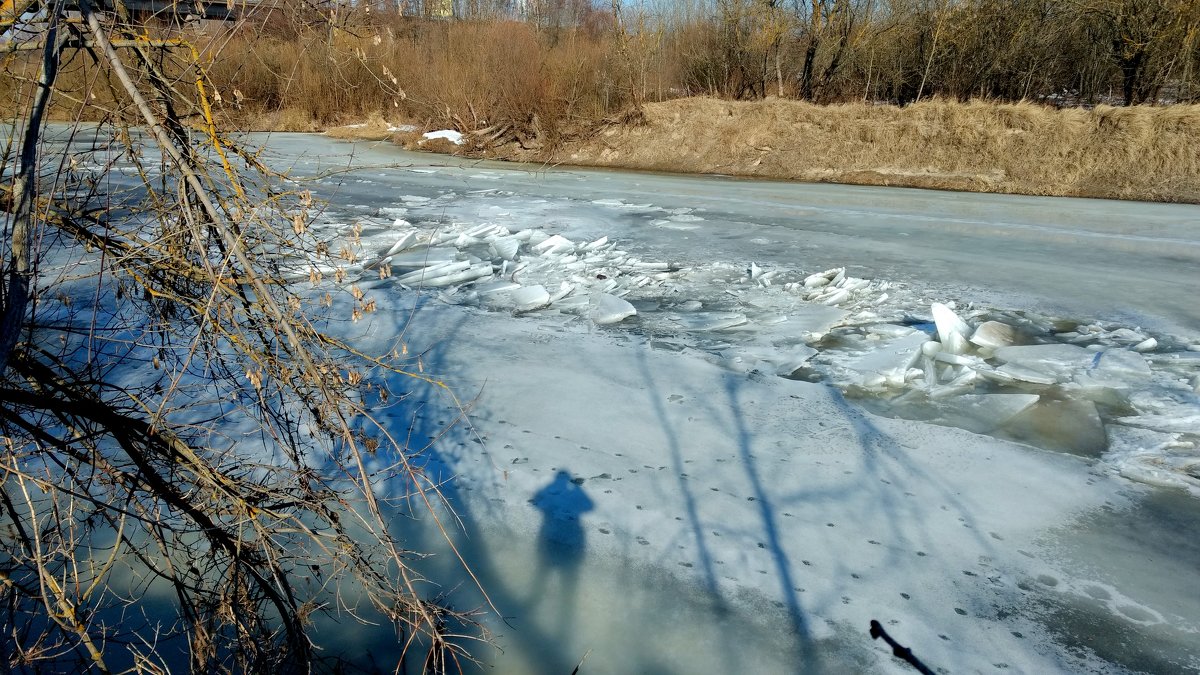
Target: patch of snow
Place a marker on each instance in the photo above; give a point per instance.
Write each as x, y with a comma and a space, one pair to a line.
451, 135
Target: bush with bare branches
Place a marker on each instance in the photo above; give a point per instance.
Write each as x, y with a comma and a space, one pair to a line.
178, 427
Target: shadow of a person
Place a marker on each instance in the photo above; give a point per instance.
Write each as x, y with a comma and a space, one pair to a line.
561, 546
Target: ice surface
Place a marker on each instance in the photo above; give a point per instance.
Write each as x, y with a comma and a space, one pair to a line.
1154, 457
763, 309
709, 321
749, 486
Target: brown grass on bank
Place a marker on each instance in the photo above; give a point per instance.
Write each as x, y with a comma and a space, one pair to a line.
1140, 152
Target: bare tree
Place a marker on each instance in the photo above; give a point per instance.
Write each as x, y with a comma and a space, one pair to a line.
1148, 40
175, 422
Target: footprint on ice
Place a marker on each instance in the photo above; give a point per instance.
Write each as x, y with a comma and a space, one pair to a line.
1138, 614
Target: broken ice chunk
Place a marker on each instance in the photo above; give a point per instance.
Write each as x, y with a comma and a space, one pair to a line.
1183, 422
1150, 344
952, 331
838, 296
1012, 372
496, 287
816, 280
404, 242
572, 303
1057, 361
890, 330
956, 359
608, 309
506, 247
982, 413
596, 244
1115, 369
994, 334
417, 259
555, 244
529, 298
432, 272
564, 289
890, 360
1072, 426
963, 383
797, 358
449, 275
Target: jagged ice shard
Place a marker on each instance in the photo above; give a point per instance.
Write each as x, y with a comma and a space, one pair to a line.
608, 309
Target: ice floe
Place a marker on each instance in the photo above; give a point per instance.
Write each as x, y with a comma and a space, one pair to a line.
609, 309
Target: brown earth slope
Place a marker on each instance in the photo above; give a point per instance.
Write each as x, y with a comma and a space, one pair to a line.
1149, 153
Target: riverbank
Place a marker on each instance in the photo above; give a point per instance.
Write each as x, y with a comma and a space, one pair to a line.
1137, 153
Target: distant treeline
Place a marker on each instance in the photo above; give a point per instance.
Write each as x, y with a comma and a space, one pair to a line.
898, 51
530, 69
1074, 51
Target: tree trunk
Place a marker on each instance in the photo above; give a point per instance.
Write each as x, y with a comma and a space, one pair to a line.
20, 269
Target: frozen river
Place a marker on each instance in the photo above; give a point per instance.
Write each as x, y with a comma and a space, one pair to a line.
720, 425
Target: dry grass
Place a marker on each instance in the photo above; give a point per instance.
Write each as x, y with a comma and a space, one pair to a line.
1129, 153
